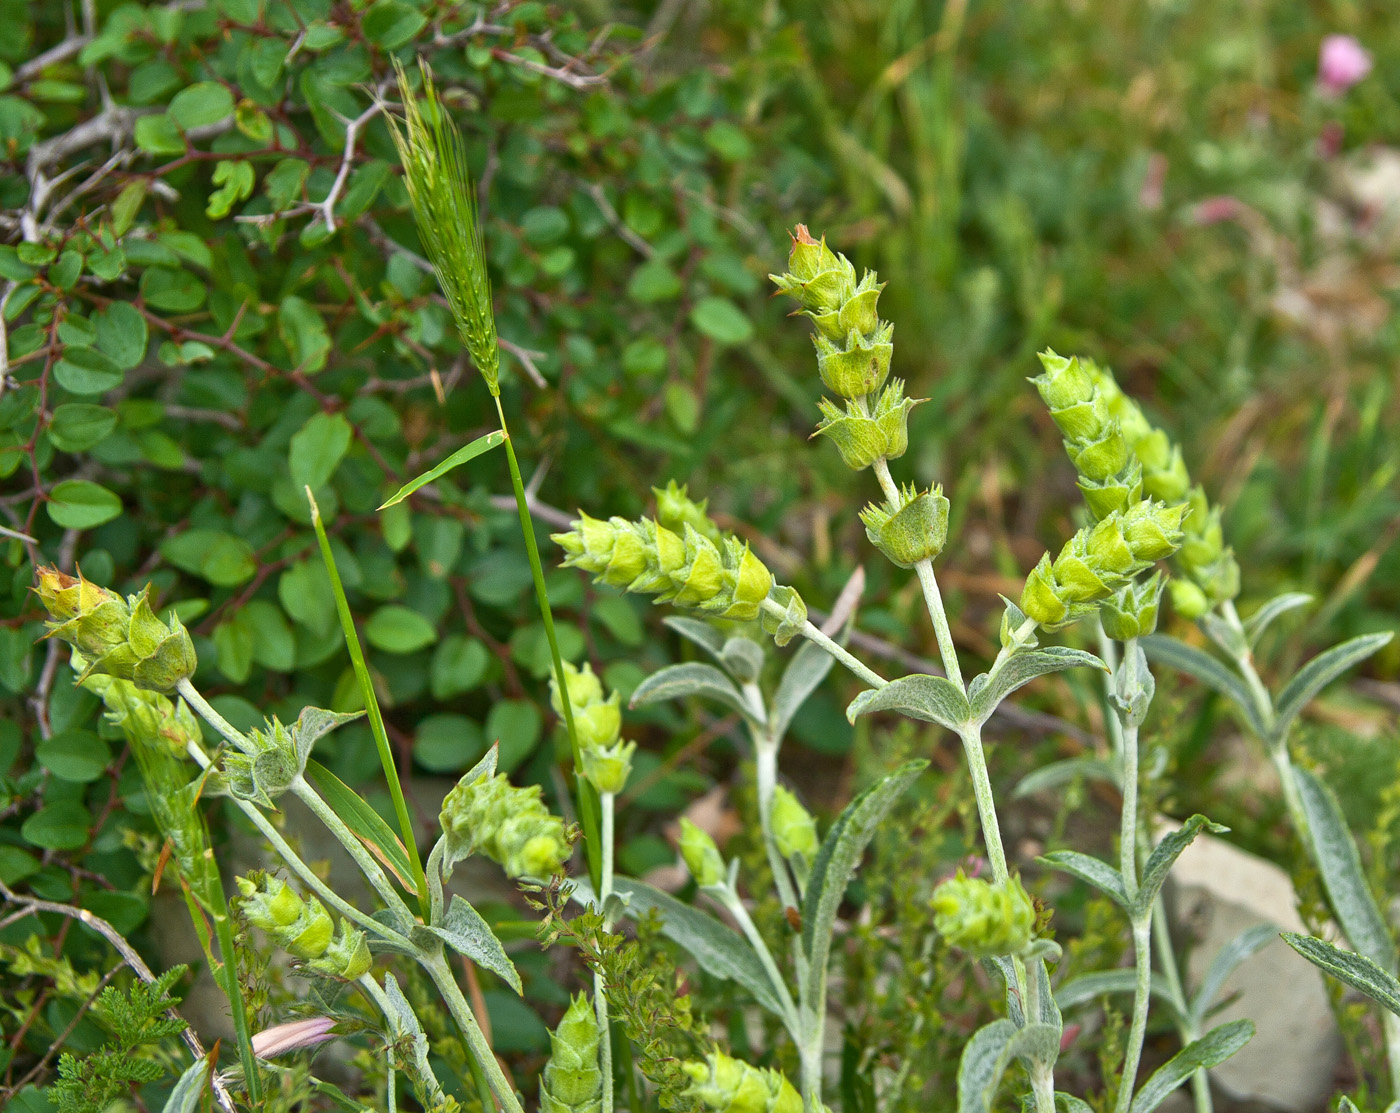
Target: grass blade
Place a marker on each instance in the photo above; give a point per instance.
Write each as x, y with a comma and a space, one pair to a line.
364, 821
456, 460
376, 719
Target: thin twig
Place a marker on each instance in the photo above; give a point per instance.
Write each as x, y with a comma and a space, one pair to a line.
129, 956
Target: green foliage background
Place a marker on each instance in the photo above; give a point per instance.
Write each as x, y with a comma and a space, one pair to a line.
211, 296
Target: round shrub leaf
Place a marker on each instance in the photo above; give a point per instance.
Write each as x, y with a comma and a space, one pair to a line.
721, 320
77, 426
74, 755
201, 104
397, 629
60, 826
82, 504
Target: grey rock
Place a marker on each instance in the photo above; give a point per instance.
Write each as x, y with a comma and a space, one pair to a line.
1219, 891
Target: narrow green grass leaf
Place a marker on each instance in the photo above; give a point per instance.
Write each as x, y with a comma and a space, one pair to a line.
364, 821
456, 460
376, 718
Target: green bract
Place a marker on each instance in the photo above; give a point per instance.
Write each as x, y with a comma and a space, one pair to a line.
571, 1081
1098, 560
1132, 610
510, 825
607, 760
701, 855
727, 1085
303, 928
853, 344
689, 571
984, 918
1109, 475
915, 530
794, 829
119, 638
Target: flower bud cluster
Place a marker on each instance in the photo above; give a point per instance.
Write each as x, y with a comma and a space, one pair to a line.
1098, 560
1210, 574
863, 436
607, 760
143, 714
675, 510
983, 918
853, 344
1109, 474
572, 1081
303, 928
118, 637
915, 530
685, 568
510, 825
1132, 610
701, 856
724, 1084
794, 829
1164, 474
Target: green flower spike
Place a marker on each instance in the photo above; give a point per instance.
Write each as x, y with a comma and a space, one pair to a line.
509, 825
982, 918
1132, 611
1098, 560
572, 1081
1164, 474
861, 437
1210, 573
675, 510
917, 530
723, 1084
121, 638
701, 855
302, 927
686, 568
853, 345
346, 958
607, 761
143, 714
1109, 475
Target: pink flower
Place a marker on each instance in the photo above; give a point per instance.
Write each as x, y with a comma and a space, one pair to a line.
1214, 210
1341, 63
295, 1035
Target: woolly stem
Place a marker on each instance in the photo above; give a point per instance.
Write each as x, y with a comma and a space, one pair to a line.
442, 977
813, 634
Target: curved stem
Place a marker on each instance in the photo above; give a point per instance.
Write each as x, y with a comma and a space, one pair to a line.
933, 599
971, 737
213, 718
446, 983
347, 838
376, 993
1142, 958
297, 866
813, 634
1263, 702
730, 899
766, 766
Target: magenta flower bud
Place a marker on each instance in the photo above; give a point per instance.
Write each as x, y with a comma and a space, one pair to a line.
1341, 63
296, 1035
